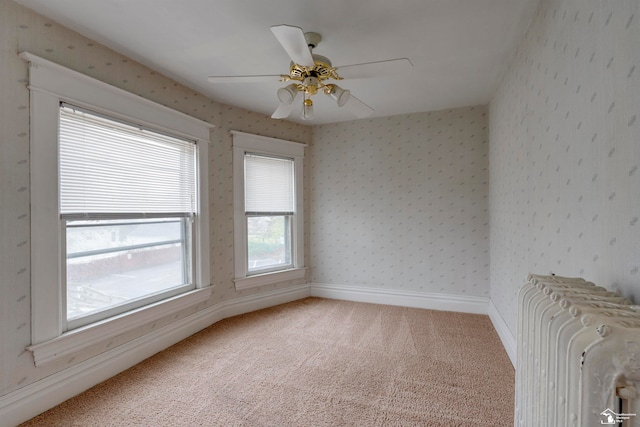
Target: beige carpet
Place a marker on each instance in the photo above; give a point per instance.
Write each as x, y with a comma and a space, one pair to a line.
314, 362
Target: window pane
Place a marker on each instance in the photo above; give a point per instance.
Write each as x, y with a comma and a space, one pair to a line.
269, 242
115, 262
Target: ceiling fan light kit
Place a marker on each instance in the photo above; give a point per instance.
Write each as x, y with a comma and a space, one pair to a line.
340, 95
307, 109
309, 72
287, 94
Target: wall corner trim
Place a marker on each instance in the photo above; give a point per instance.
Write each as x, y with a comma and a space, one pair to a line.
507, 338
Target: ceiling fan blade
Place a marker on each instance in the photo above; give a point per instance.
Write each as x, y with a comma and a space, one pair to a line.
293, 41
244, 79
284, 110
357, 107
375, 69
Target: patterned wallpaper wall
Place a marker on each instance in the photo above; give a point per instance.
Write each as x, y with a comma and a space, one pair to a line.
565, 152
401, 203
22, 29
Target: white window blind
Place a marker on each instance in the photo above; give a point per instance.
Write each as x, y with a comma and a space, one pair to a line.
269, 186
107, 166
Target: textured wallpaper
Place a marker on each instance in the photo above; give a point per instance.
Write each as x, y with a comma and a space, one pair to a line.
22, 29
401, 203
565, 152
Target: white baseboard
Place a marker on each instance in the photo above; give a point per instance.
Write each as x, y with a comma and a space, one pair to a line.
507, 338
447, 302
35, 398
262, 300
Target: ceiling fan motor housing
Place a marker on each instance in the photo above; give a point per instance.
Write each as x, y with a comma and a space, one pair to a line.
321, 69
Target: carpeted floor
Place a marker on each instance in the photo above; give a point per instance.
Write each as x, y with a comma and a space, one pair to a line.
313, 362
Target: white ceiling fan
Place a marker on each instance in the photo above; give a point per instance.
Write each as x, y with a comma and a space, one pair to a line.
310, 72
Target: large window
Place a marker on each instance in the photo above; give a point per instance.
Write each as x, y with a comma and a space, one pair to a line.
268, 210
127, 199
119, 219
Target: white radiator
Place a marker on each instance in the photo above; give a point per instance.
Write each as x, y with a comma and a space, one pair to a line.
578, 358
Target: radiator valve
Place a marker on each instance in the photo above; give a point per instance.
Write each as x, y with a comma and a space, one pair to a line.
627, 391
603, 330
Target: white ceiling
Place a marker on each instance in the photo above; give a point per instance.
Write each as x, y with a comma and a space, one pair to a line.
459, 48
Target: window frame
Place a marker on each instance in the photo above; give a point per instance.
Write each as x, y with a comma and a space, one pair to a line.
49, 85
262, 145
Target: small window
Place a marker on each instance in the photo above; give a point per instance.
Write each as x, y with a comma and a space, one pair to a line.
269, 208
127, 202
269, 230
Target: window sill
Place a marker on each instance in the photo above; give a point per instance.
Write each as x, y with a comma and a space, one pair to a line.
249, 282
82, 338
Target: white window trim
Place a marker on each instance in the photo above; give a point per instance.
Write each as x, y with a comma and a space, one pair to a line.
50, 84
243, 142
